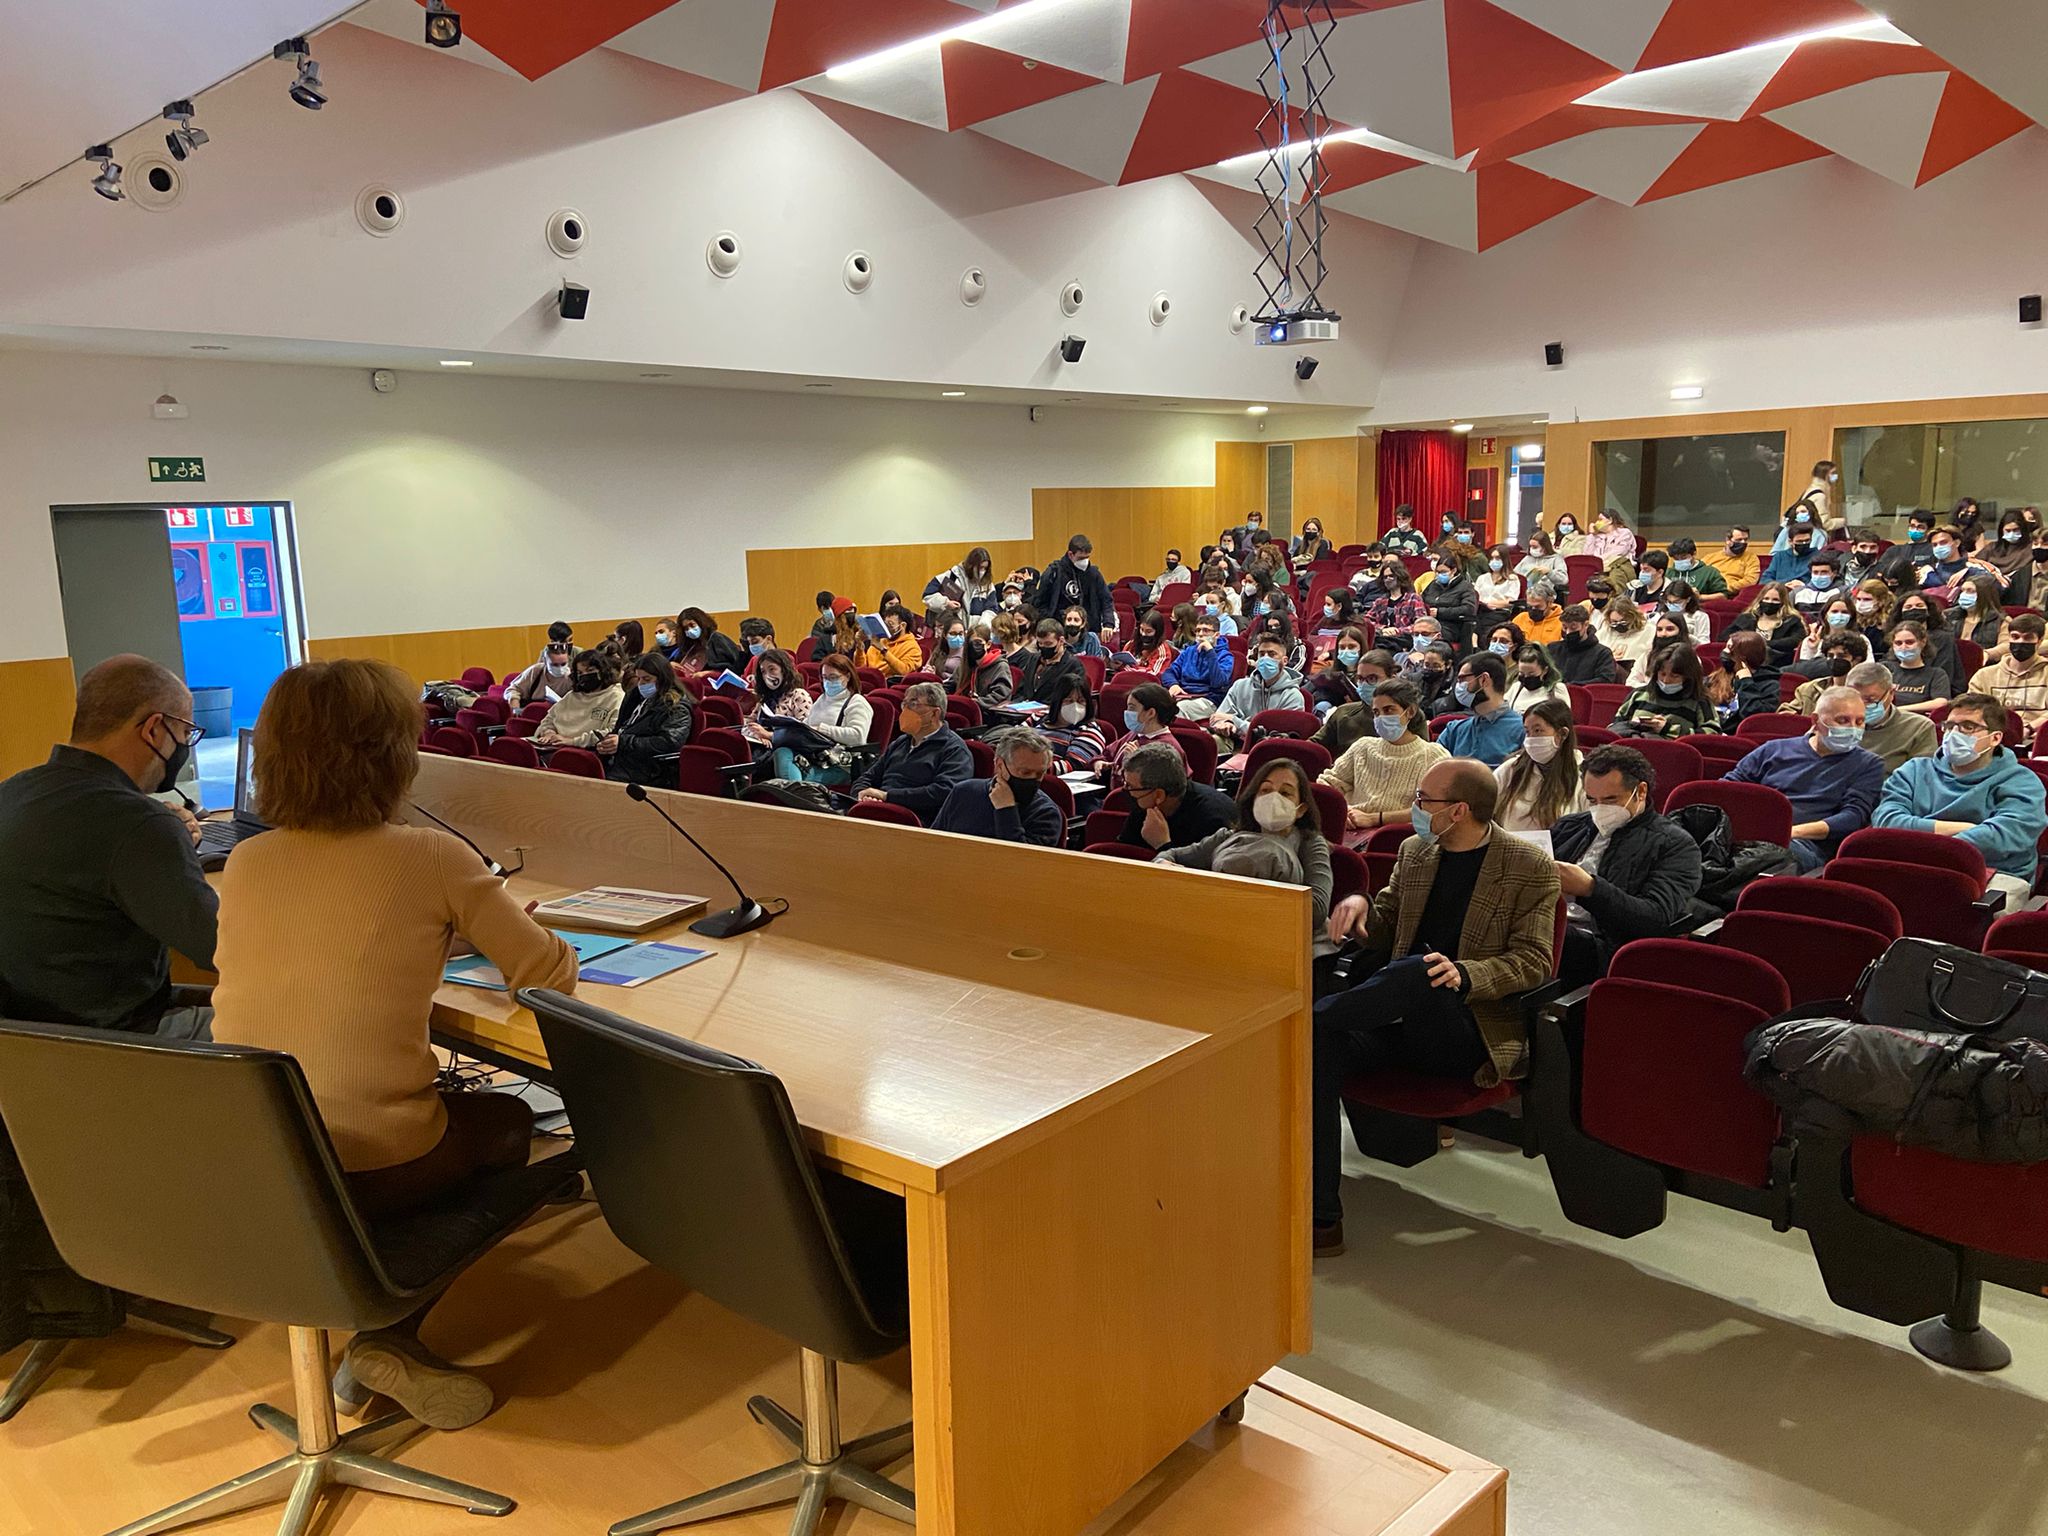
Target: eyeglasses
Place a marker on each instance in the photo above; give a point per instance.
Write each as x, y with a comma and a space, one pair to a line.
1422, 799
192, 735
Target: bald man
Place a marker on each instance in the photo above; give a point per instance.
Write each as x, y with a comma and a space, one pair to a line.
1467, 923
97, 880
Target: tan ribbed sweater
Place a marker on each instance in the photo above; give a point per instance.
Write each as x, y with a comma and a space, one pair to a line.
331, 947
1383, 777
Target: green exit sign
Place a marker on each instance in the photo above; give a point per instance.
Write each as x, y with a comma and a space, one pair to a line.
187, 470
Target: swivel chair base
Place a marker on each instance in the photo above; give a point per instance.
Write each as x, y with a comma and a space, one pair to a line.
321, 1458
824, 1470
43, 1354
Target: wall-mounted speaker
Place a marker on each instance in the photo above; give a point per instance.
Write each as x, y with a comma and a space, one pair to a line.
1553, 354
2030, 309
574, 301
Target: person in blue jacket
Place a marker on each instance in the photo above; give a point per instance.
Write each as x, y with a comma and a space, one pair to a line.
1200, 675
1975, 790
1795, 561
1492, 732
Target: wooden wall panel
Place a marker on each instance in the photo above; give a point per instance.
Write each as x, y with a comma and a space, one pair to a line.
782, 583
1326, 485
1240, 482
39, 695
437, 654
1132, 528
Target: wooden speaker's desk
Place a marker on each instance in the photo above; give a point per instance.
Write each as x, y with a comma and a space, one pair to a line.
1087, 1077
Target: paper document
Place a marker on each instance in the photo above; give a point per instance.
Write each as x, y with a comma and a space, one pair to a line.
622, 909
641, 963
1539, 837
475, 970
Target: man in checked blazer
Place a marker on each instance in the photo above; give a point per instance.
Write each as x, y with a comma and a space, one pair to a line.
1467, 922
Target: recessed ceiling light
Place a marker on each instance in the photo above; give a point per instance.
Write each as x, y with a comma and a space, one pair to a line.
1461, 426
1256, 410
817, 386
655, 375
1689, 392
952, 394
208, 346
456, 362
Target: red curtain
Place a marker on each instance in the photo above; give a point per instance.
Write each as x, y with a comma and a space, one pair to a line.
1423, 470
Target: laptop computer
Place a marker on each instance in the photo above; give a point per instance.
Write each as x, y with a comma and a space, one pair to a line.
217, 839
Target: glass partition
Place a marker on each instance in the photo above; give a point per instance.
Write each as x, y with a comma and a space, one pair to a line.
1887, 472
1694, 487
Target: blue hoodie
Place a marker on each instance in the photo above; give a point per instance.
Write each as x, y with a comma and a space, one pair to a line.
1205, 674
2003, 798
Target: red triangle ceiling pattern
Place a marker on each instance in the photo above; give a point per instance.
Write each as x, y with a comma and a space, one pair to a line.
1969, 121
1697, 29
1193, 122
1505, 73
1729, 152
536, 37
1514, 199
1836, 64
982, 83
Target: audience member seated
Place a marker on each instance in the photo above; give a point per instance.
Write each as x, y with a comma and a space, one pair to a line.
1012, 806
1542, 624
757, 637
1973, 789
1149, 713
1737, 567
2020, 680
1077, 739
1343, 726
1979, 618
1342, 681
778, 691
1378, 773
1703, 577
1861, 564
1200, 676
2010, 557
898, 653
1770, 615
1466, 924
1620, 626
1569, 540
838, 721
1152, 648
1673, 703
1840, 652
1430, 668
1535, 679
656, 720
969, 586
1309, 544
1612, 541
334, 928
1652, 577
924, 759
701, 648
1452, 601
1081, 640
1073, 580
548, 678
1491, 731
1176, 574
1904, 561
1794, 562
1949, 561
1169, 809
1823, 581
591, 709
1048, 669
97, 880
1744, 684
1340, 608
1404, 538
1542, 780
1832, 780
1666, 630
1499, 589
1269, 683
1579, 656
1394, 609
1275, 835
825, 625
1928, 611
1630, 873
1892, 733
1543, 563
1834, 620
1921, 687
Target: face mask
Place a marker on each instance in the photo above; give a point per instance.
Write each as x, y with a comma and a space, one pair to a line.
1838, 666
1347, 657
1873, 716
1802, 549
1576, 638
1609, 819
1273, 812
1919, 615
1670, 690
1073, 631
1908, 654
1148, 638
1683, 565
1804, 517
756, 647
1833, 476
2012, 535
1915, 535
1494, 565
664, 638
771, 681
1837, 619
1464, 538
1540, 749
1173, 562
2023, 650
1420, 820
1771, 609
558, 669
1026, 790
647, 690
1465, 694
1501, 647
174, 765
1566, 528
1260, 608
956, 642
1388, 584
1967, 598
1131, 721
1737, 546
1674, 607
1449, 525
1958, 747
1269, 668
1049, 651
588, 682
1943, 553
1080, 562
834, 686
2040, 555
1249, 589
1600, 604
1012, 600
1841, 738
1073, 713
1866, 605
1820, 581
1390, 727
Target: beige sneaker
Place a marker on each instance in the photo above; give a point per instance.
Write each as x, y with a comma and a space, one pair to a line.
439, 1395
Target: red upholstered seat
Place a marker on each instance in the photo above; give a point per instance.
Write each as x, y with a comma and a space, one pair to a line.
2021, 937
1313, 758
712, 710
452, 740
984, 757
1756, 812
698, 771
1850, 904
1119, 851
513, 752
1933, 903
1901, 846
477, 679
1347, 873
1200, 748
1819, 960
1331, 809
1606, 699
1675, 763
1759, 728
1425, 1098
1993, 1207
882, 810
1298, 723
576, 762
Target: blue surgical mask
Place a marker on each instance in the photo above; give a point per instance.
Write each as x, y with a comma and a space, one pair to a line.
956, 642
1907, 653
1259, 608
1670, 690
834, 685
1390, 727
1804, 517
1683, 565
1873, 716
1958, 747
756, 647
1131, 721
1420, 819
2012, 535
693, 632
647, 690
1915, 535
1464, 538
1495, 565
1840, 738
1967, 598
1943, 553
1837, 619
1820, 581
1347, 656
1269, 667
1464, 694
1674, 608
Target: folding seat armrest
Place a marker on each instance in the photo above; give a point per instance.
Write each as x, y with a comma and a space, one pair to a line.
668, 757
1991, 903
1708, 931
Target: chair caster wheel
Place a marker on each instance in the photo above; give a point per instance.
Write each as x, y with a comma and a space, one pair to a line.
1233, 1411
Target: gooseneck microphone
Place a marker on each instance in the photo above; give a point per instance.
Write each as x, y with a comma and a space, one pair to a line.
747, 915
490, 863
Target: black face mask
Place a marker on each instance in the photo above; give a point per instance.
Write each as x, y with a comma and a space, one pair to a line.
1737, 546
1577, 641
1026, 790
2040, 555
1073, 631
588, 682
1839, 667
1173, 562
2023, 650
1769, 610
174, 765
1600, 603
1148, 637
1049, 651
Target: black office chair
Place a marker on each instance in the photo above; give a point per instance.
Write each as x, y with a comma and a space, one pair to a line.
700, 1167
202, 1174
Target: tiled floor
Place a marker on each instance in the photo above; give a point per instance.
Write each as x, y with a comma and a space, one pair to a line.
1694, 1380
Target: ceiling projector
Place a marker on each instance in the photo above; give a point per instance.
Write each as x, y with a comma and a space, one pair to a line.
1296, 330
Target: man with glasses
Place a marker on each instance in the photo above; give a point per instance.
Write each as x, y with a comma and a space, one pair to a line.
1975, 790
1167, 809
97, 880
1466, 923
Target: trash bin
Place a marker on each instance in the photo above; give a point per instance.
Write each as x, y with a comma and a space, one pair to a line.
213, 710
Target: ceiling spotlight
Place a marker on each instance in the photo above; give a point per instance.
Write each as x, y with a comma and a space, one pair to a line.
1256, 410
1689, 392
444, 27
108, 182
1070, 348
306, 90
1461, 426
1305, 368
183, 137
952, 394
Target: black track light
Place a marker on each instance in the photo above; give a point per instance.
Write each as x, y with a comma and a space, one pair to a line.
444, 27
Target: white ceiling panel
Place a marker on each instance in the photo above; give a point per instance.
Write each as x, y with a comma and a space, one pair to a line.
1619, 164
1614, 30
1883, 125
1088, 131
722, 40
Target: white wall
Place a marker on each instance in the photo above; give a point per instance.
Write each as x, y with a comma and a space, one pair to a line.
1814, 285
463, 501
265, 242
